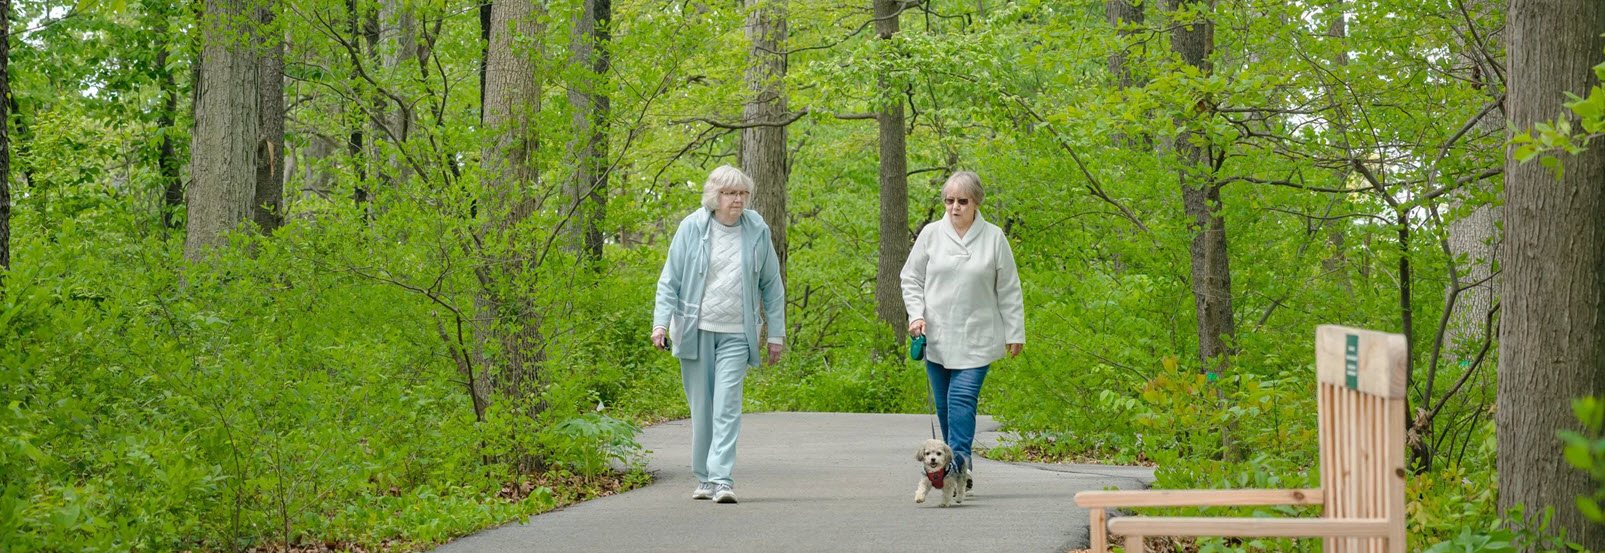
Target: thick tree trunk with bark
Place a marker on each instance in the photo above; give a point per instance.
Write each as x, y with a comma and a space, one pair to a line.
586, 191
894, 233
512, 99
1552, 320
1211, 272
268, 206
1193, 42
227, 127
1473, 236
763, 148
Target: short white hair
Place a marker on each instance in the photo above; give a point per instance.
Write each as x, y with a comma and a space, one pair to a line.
721, 179
967, 182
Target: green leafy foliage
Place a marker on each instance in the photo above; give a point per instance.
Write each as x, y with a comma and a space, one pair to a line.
1544, 140
1585, 451
319, 384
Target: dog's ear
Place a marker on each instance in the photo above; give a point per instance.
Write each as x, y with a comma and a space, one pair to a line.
919, 454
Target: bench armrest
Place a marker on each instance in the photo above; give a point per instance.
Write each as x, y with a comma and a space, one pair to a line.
1197, 498
1250, 527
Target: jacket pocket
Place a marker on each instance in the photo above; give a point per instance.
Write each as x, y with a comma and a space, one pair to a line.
684, 318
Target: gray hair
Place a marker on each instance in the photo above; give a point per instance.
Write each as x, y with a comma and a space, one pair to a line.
720, 179
969, 183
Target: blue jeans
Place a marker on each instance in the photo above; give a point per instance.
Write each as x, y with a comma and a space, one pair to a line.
713, 391
955, 393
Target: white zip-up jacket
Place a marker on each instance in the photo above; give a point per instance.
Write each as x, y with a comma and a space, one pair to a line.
678, 305
967, 290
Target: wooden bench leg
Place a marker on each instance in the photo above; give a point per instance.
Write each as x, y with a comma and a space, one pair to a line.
1098, 530
1133, 544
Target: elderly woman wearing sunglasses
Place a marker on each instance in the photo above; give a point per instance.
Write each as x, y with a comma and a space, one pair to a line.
962, 292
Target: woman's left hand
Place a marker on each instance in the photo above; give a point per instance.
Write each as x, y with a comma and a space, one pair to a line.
1014, 349
774, 352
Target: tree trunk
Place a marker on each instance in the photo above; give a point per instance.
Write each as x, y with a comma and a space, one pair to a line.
512, 99
1474, 235
167, 163
894, 233
763, 148
1338, 30
1552, 324
1124, 16
5, 139
269, 204
398, 39
315, 179
1406, 305
484, 52
356, 139
1120, 15
587, 185
376, 30
227, 127
1211, 272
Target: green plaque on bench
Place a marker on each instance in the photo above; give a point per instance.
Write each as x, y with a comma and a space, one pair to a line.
1351, 361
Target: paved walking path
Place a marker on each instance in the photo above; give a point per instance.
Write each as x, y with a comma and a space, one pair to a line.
825, 482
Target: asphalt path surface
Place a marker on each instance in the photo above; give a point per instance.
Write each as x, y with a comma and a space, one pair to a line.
821, 482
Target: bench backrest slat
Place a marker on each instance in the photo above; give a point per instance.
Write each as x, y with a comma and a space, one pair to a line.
1360, 412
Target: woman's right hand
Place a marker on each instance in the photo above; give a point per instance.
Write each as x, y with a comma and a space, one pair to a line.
660, 337
916, 328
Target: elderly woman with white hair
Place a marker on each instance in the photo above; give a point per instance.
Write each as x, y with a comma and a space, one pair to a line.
721, 276
962, 292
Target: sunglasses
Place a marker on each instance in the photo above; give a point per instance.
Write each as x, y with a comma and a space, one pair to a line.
961, 201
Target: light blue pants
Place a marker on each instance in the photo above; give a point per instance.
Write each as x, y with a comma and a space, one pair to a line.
956, 392
713, 390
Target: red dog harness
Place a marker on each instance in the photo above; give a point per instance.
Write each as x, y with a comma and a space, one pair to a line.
937, 477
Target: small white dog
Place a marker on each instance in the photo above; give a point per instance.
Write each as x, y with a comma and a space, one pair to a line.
934, 458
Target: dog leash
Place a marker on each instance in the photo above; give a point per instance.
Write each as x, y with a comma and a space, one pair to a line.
930, 400
916, 350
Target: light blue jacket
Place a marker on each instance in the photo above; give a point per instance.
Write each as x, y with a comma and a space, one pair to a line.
685, 277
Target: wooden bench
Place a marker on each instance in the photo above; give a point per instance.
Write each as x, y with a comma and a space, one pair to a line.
1360, 378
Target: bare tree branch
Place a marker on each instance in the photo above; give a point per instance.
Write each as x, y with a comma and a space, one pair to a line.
738, 126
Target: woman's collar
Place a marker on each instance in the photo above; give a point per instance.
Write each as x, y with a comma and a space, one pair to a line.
973, 225
969, 234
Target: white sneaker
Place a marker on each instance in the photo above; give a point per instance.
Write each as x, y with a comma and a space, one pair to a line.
723, 494
704, 491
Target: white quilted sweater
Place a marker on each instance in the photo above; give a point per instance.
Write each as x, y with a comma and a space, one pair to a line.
721, 304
